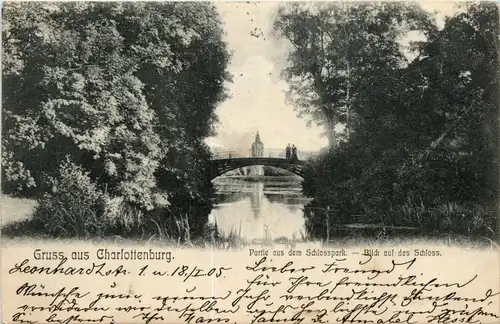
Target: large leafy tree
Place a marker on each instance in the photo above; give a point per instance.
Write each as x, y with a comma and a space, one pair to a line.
336, 48
424, 130
126, 90
456, 111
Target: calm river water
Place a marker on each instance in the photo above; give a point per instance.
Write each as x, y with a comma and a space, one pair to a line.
267, 208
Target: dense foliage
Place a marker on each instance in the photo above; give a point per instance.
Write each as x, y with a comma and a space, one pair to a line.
336, 48
125, 90
421, 141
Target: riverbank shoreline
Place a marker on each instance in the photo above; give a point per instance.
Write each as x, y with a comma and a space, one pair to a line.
353, 235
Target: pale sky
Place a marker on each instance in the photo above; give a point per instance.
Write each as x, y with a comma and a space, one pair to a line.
257, 100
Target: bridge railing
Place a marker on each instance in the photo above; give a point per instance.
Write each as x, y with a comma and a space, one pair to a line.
218, 154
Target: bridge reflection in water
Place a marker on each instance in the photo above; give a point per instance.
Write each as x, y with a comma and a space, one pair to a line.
258, 210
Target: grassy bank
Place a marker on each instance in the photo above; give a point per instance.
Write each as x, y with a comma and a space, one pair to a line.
408, 220
22, 220
52, 218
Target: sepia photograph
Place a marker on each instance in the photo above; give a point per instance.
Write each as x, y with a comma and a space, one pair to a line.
225, 124
250, 162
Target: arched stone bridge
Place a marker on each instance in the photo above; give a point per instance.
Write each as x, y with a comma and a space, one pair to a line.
218, 167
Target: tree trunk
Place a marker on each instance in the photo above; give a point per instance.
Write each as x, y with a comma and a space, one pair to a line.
332, 136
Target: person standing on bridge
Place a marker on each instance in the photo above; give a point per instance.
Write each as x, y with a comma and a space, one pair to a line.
288, 151
294, 153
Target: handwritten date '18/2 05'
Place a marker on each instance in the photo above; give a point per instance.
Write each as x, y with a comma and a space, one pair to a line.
185, 272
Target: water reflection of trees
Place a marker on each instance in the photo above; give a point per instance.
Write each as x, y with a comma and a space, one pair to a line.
294, 208
285, 198
231, 197
281, 192
253, 205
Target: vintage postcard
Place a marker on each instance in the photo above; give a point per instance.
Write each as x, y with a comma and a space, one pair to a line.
250, 162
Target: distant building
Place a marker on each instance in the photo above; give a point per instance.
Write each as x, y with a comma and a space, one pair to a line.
257, 149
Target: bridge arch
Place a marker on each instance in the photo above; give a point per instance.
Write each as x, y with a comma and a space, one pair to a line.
221, 166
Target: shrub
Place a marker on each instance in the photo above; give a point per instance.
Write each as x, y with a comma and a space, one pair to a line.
75, 208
